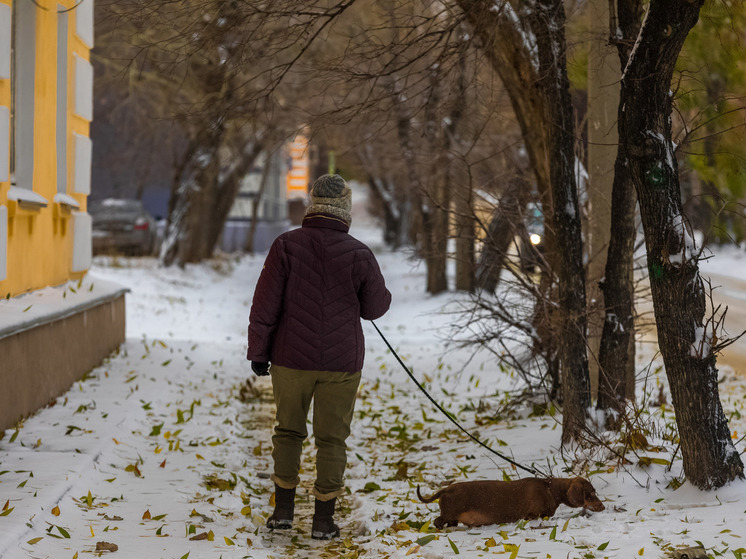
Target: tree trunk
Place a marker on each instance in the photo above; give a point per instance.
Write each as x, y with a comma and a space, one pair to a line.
183, 241
392, 221
255, 207
616, 350
226, 192
413, 203
548, 23
503, 228
537, 84
464, 231
686, 341
437, 207
463, 211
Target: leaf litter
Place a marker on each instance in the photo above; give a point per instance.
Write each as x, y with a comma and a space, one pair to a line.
177, 391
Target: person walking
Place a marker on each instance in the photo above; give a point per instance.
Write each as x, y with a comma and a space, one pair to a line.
317, 283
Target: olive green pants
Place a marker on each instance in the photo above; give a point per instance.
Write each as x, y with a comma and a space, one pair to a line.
333, 395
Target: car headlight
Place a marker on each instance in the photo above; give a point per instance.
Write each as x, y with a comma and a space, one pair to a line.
535, 239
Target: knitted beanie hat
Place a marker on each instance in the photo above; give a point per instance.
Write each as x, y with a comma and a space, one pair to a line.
331, 195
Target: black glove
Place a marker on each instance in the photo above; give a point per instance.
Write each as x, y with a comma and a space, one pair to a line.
260, 368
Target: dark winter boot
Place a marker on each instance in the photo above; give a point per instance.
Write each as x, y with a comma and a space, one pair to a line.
282, 517
323, 527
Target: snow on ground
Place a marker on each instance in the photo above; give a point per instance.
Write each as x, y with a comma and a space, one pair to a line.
164, 451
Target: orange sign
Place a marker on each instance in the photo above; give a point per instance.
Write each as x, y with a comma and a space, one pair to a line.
298, 173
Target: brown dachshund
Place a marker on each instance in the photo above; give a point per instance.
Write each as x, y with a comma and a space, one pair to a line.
478, 503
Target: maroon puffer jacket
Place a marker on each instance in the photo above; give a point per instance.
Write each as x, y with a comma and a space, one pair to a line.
316, 285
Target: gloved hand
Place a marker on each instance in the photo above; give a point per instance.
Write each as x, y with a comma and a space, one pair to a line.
260, 368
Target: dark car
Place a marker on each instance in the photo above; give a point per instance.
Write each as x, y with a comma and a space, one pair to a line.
122, 226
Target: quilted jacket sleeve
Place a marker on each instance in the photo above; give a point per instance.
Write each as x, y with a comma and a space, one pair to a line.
374, 298
266, 307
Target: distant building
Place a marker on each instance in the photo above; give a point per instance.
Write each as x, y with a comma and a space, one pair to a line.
282, 199
46, 106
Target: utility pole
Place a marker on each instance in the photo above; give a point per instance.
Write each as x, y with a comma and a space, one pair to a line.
603, 101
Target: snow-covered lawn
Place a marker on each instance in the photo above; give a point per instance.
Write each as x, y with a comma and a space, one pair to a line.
165, 453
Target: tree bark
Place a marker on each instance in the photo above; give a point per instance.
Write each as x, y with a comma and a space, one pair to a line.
548, 23
535, 77
226, 192
436, 209
462, 203
616, 350
503, 228
686, 340
255, 206
193, 183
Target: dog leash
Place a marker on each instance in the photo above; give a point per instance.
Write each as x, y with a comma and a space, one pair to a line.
448, 415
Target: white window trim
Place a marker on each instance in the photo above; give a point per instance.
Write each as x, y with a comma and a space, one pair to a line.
4, 143
82, 242
84, 22
83, 88
26, 196
82, 164
5, 44
24, 95
3, 243
66, 200
63, 76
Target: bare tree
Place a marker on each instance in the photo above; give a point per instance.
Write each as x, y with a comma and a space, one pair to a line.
617, 337
688, 343
527, 47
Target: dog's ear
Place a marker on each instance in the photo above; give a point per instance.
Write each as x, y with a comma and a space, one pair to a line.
575, 496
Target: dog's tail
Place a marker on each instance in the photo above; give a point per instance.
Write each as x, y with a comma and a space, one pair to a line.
428, 499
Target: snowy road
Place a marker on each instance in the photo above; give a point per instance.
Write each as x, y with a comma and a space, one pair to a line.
731, 293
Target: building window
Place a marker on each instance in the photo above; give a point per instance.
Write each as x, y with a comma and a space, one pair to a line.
84, 22
61, 138
82, 228
82, 168
3, 243
5, 31
4, 142
83, 88
23, 68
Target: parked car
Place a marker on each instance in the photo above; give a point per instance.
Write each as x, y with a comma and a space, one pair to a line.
531, 252
122, 226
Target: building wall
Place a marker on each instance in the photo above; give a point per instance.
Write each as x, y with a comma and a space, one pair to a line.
41, 363
46, 234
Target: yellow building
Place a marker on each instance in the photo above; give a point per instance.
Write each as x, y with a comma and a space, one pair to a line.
46, 106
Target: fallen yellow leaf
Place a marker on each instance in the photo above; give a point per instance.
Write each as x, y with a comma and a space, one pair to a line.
414, 549
56, 511
146, 515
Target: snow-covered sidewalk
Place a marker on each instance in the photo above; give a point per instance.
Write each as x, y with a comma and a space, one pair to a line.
164, 453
